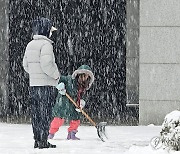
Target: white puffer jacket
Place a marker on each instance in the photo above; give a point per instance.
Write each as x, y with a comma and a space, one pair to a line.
39, 62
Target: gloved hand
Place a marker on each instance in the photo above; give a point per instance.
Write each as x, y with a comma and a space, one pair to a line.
82, 104
61, 88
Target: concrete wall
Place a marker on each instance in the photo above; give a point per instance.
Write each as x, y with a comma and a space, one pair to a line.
132, 52
3, 55
159, 77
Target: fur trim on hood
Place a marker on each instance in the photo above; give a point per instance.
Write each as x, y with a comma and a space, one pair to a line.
84, 69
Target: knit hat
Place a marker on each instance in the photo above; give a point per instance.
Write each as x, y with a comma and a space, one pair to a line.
84, 69
42, 26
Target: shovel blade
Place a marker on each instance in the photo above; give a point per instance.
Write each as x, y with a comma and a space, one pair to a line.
101, 131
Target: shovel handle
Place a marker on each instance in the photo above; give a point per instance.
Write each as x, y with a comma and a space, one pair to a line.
84, 113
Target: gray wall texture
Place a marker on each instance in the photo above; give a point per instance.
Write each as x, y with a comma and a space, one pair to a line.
159, 77
132, 52
3, 55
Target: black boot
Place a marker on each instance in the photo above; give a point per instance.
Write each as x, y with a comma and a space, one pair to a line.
51, 145
45, 144
36, 144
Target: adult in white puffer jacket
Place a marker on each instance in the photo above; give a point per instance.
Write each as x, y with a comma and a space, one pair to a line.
39, 63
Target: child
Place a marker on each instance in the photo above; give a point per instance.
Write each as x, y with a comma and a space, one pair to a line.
75, 85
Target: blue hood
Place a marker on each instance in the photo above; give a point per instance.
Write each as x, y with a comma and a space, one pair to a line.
42, 26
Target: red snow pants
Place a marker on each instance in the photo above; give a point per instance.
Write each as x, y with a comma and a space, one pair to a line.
58, 122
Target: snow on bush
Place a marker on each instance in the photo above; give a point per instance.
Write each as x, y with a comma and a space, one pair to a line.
170, 133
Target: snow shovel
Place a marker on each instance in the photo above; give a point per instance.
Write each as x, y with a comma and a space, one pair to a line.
100, 127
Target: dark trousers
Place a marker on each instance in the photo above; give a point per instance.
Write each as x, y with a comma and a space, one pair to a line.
42, 99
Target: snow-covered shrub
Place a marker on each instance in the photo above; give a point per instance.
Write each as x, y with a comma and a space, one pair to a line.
170, 133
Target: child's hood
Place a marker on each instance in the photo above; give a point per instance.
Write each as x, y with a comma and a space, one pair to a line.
84, 69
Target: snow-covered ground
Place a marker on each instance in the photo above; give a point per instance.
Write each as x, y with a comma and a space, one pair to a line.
17, 139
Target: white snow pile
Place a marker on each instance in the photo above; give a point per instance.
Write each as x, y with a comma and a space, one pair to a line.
168, 142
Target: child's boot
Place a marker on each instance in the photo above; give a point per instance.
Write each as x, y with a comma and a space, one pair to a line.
72, 135
69, 136
50, 136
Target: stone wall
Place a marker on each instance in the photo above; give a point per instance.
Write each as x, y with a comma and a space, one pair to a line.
132, 60
3, 56
132, 52
159, 59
